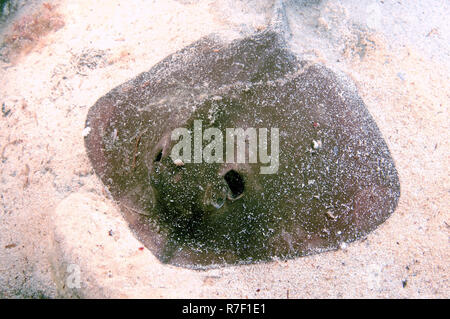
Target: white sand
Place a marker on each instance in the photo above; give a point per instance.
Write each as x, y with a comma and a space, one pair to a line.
400, 67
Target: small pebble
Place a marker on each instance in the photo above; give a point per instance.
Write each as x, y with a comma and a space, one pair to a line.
178, 162
404, 283
330, 214
316, 144
401, 76
86, 131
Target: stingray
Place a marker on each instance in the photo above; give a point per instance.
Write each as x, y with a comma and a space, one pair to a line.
335, 179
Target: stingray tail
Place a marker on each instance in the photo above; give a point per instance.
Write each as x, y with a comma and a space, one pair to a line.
279, 22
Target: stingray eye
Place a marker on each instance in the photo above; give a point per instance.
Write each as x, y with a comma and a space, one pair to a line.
235, 183
215, 196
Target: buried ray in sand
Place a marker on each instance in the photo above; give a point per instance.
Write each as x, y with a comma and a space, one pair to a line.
335, 179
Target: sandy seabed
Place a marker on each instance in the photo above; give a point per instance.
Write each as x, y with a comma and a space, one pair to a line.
54, 212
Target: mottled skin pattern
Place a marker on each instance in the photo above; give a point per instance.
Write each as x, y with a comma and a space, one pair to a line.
188, 215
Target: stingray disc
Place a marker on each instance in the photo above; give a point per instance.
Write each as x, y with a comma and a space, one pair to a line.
335, 180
